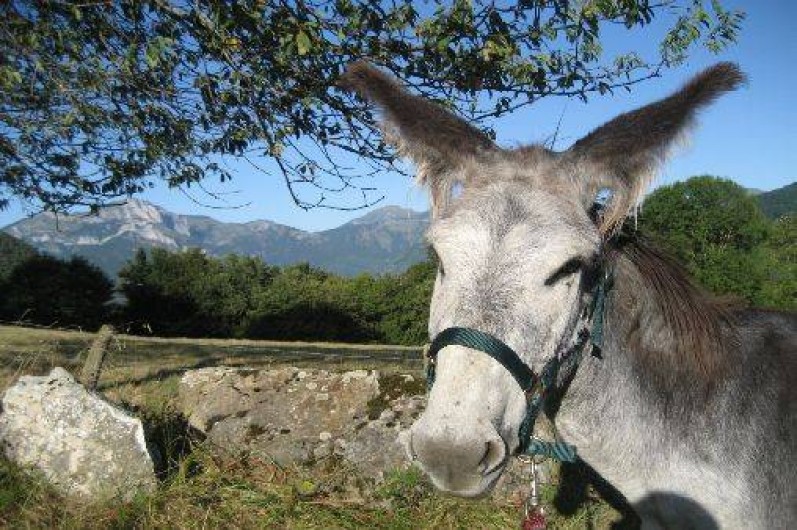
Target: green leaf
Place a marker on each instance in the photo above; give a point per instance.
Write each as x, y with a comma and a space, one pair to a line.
152, 57
303, 44
156, 49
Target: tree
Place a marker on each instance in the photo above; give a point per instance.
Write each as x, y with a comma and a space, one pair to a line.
13, 251
704, 213
406, 309
778, 259
49, 291
306, 303
189, 293
718, 230
99, 100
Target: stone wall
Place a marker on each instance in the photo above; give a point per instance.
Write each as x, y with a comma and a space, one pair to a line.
91, 448
295, 416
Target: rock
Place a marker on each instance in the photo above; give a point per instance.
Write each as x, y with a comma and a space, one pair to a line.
84, 445
322, 451
204, 409
406, 409
294, 416
387, 415
297, 416
375, 449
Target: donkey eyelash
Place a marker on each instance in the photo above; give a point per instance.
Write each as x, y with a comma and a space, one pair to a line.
571, 266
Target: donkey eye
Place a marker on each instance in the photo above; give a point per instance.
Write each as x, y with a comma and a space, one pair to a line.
571, 266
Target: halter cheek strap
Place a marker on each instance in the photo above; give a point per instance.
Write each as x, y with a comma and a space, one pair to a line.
535, 387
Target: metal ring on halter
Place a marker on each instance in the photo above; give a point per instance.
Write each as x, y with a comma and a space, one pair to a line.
525, 459
531, 458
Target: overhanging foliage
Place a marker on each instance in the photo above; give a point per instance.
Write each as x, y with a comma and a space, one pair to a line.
100, 100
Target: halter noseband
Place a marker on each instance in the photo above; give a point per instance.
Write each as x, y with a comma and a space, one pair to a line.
535, 387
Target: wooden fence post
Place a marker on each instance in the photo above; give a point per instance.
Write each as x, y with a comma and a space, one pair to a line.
96, 357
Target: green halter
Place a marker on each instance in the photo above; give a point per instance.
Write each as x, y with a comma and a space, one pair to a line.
535, 387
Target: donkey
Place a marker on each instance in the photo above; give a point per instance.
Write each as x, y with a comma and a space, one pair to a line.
685, 406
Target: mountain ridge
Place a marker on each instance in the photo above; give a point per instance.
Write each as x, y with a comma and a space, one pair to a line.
385, 240
780, 201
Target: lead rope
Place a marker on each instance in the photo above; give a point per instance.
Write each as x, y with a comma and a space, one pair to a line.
533, 511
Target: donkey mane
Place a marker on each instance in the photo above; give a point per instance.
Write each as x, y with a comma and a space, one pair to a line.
678, 329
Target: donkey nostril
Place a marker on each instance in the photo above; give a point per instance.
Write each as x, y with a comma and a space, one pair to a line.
494, 456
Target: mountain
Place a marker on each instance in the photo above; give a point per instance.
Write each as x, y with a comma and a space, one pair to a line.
385, 240
779, 202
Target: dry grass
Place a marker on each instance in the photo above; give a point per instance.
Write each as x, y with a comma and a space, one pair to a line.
203, 488
137, 360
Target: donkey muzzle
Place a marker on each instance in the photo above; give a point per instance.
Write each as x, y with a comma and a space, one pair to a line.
461, 461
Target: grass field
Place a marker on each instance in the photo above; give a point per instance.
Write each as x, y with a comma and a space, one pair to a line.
204, 488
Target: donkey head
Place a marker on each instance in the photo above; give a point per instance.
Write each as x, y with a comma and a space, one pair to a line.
515, 244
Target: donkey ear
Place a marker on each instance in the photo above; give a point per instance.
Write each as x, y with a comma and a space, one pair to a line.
623, 154
437, 141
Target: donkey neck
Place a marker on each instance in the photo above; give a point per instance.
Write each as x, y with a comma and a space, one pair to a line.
637, 414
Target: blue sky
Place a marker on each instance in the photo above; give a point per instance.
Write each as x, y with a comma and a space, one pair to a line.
749, 136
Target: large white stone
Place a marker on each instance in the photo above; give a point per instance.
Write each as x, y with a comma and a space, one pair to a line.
84, 445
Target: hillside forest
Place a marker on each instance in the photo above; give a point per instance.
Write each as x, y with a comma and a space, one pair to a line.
717, 229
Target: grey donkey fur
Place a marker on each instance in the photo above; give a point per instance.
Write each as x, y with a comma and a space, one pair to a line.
690, 410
